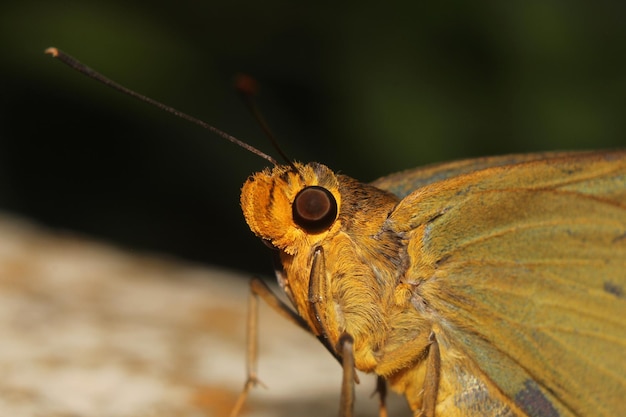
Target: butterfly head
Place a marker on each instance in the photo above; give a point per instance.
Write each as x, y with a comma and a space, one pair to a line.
292, 208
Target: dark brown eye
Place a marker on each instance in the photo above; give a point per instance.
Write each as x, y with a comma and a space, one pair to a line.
314, 209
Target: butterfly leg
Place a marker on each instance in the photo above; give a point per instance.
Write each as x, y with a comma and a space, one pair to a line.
320, 306
258, 288
431, 382
346, 402
381, 390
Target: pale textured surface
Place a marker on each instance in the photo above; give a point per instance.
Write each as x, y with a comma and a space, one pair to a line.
89, 330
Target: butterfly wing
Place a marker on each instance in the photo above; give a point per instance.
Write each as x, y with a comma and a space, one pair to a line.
523, 266
404, 183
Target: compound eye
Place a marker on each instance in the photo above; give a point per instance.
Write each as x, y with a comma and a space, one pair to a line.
314, 209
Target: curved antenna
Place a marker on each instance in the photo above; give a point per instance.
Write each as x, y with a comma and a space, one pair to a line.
85, 70
247, 88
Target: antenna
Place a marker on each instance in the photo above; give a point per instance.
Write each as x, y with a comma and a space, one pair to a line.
85, 70
247, 88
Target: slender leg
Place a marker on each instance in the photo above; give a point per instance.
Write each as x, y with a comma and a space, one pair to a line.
259, 289
381, 390
318, 293
346, 402
431, 382
319, 303
251, 352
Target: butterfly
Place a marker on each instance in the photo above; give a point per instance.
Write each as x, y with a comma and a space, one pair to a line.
483, 287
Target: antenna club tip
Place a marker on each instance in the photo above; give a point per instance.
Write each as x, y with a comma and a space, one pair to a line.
52, 51
245, 84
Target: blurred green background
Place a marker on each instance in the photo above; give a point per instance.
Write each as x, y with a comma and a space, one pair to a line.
367, 88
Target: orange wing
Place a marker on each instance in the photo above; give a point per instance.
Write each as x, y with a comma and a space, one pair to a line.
522, 261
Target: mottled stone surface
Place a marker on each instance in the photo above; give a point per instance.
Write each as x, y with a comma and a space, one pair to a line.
91, 330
